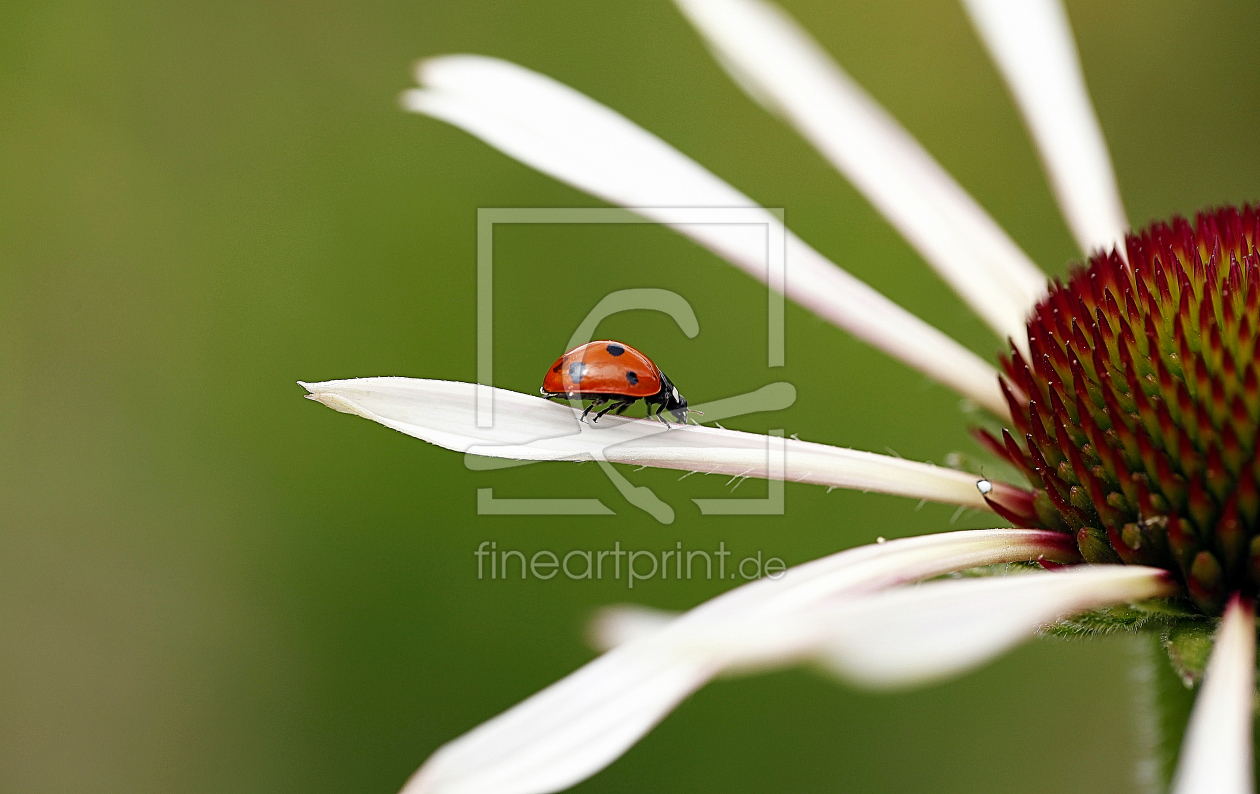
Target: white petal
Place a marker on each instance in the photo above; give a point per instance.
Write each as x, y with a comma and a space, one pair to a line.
566, 732
531, 428
1216, 753
571, 137
623, 623
1031, 42
578, 725
908, 635
778, 62
938, 629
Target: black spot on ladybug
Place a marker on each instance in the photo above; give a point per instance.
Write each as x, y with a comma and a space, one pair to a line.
615, 350
559, 365
576, 370
633, 378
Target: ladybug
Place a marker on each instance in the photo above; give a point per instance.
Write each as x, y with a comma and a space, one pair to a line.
613, 372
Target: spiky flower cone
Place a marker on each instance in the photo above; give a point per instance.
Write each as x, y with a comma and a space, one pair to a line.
1136, 417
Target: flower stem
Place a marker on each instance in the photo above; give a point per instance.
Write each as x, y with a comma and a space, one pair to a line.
1163, 704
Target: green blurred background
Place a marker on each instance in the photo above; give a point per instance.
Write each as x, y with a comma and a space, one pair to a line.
209, 584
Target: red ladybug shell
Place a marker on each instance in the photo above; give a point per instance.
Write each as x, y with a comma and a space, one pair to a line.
604, 367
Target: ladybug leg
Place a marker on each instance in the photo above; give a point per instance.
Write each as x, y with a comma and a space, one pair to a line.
594, 404
609, 408
617, 408
659, 409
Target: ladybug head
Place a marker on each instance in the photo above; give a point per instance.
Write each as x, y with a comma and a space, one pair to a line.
675, 403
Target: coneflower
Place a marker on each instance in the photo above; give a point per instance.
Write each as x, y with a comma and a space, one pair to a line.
1129, 402
1136, 412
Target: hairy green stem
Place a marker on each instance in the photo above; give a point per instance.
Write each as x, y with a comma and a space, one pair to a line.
1163, 704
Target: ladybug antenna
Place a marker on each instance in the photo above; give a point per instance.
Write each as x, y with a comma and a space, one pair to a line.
694, 411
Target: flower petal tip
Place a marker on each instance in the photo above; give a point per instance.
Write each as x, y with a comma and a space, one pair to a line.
410, 100
332, 400
424, 68
617, 625
418, 68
